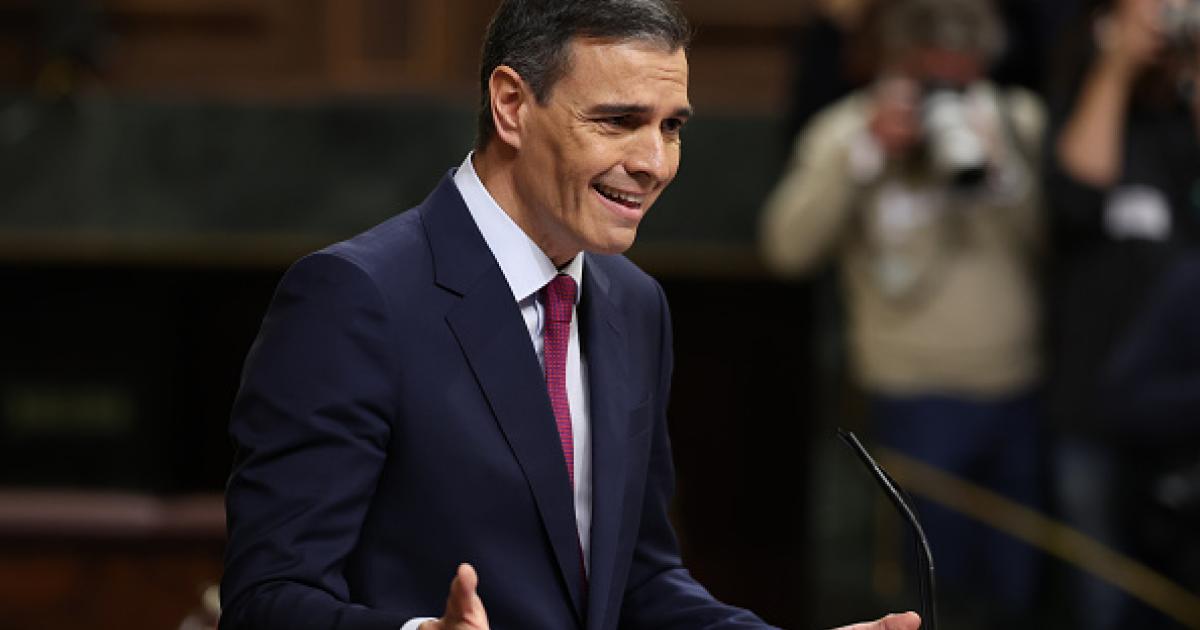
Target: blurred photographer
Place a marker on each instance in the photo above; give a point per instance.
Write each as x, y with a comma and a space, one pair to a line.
924, 186
1124, 182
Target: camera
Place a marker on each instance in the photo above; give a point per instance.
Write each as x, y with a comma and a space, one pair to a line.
955, 150
1181, 23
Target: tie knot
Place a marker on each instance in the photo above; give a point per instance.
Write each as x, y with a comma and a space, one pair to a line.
560, 298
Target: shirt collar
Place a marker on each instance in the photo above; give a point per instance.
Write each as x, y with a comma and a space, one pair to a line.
525, 266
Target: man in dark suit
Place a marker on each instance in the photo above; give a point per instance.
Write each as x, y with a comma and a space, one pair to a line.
463, 389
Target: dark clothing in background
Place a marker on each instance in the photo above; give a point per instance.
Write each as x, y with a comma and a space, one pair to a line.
1100, 284
1153, 385
1034, 29
997, 444
1153, 380
1100, 281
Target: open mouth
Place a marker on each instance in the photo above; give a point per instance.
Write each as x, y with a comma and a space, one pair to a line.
618, 197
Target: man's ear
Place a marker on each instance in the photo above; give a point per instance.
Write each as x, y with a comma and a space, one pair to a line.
510, 97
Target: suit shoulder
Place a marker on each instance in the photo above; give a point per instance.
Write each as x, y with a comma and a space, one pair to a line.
632, 289
398, 248
392, 257
623, 272
396, 241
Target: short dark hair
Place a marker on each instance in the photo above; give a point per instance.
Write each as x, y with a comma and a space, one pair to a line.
971, 26
532, 37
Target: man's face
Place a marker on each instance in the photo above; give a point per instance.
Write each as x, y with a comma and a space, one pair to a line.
945, 66
598, 153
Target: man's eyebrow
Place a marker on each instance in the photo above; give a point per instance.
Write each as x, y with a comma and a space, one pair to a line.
620, 109
684, 112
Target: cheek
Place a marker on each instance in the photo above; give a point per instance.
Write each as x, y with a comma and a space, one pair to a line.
675, 150
674, 156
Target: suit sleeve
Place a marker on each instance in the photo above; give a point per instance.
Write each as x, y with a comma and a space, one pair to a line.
661, 594
310, 425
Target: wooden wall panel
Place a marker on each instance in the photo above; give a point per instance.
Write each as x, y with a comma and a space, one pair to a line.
283, 49
183, 46
106, 561
64, 585
739, 74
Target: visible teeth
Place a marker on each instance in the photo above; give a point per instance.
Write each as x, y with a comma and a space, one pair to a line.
617, 195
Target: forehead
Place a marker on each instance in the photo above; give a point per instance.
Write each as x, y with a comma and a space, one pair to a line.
633, 70
941, 55
947, 64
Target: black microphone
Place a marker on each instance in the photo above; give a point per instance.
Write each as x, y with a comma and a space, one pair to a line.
925, 579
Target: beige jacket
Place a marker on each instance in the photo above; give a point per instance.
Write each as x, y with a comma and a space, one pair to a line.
939, 285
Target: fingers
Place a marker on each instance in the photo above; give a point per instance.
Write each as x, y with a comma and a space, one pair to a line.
901, 621
1132, 35
465, 580
894, 123
464, 608
1149, 14
462, 592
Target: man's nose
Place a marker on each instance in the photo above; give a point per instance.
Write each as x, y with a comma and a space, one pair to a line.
650, 160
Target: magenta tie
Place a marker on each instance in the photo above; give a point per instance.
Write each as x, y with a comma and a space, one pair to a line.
556, 334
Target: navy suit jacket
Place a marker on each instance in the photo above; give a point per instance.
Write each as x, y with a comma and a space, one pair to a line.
393, 422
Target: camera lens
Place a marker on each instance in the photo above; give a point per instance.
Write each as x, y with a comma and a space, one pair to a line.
955, 150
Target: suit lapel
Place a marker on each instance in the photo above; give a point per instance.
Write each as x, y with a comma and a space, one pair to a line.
603, 341
489, 328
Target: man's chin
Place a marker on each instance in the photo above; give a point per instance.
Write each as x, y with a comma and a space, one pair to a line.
616, 244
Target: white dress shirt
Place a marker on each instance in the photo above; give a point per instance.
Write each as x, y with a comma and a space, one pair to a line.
527, 269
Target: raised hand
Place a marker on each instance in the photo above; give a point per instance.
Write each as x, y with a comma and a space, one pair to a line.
902, 621
1130, 37
464, 609
895, 122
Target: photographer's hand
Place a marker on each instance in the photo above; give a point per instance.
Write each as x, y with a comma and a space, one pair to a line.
895, 122
1130, 38
1090, 146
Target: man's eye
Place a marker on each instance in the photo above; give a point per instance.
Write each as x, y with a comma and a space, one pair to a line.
616, 121
672, 125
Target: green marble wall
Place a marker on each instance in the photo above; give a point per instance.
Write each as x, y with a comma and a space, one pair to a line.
327, 170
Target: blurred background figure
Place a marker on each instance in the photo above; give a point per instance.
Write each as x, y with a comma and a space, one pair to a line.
836, 50
1125, 187
924, 186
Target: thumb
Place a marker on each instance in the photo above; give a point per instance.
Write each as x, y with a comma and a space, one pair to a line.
463, 604
900, 621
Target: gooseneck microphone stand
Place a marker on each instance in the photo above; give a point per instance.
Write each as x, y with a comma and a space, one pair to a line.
925, 579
